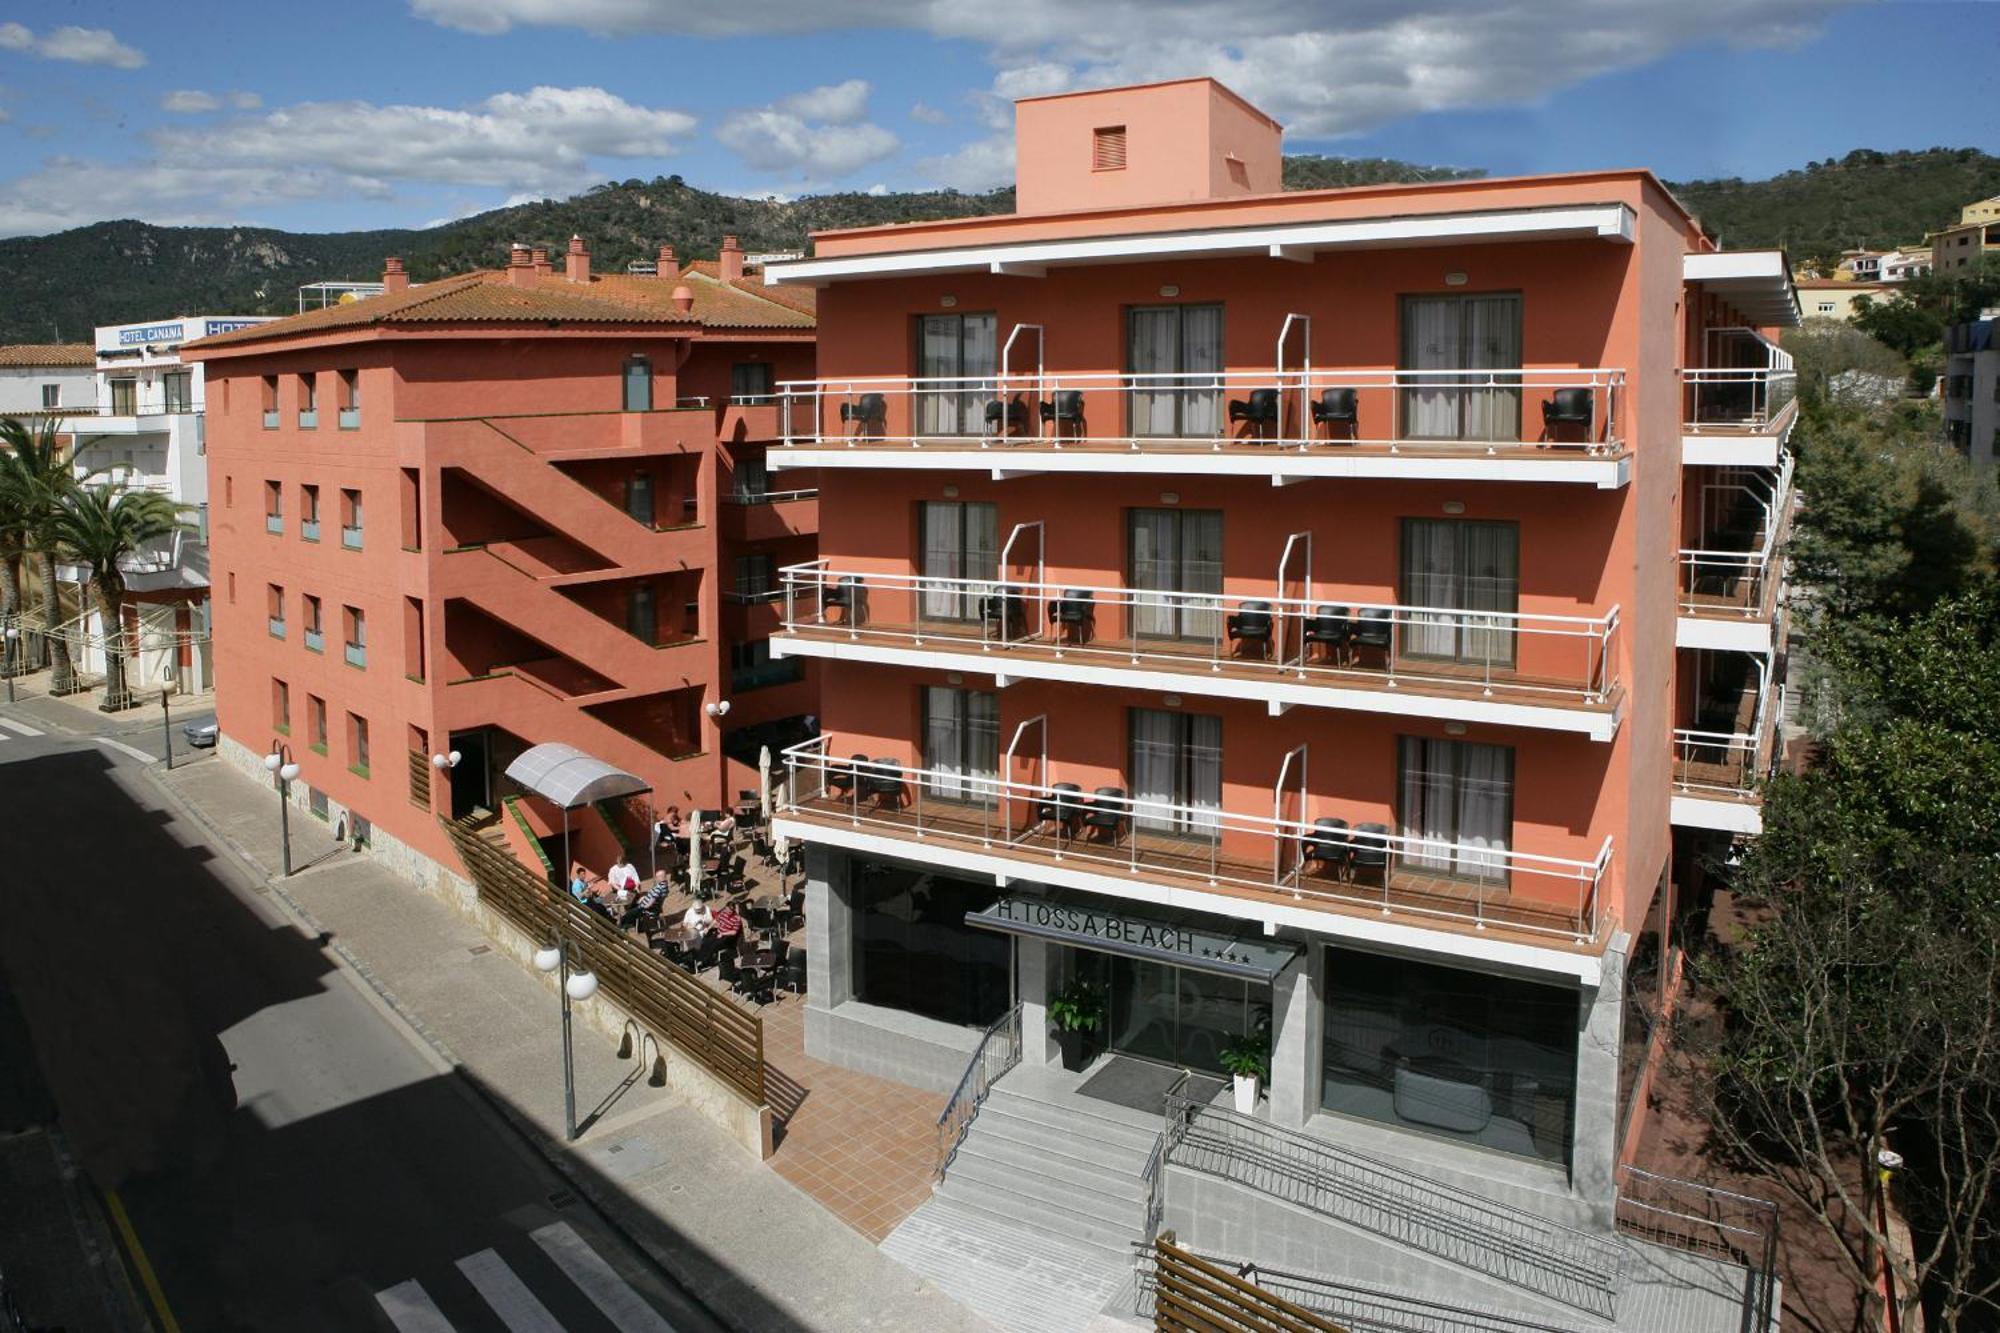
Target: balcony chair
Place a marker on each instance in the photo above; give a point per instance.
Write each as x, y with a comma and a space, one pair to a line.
840, 777
1005, 613
1374, 628
795, 909
1064, 412
1370, 844
846, 595
1338, 408
1008, 418
1568, 417
1330, 627
728, 969
1107, 813
884, 782
1063, 807
1328, 846
1259, 412
868, 414
1074, 614
793, 977
1252, 626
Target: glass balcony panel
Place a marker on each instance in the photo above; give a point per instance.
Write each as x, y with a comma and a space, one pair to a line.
356, 655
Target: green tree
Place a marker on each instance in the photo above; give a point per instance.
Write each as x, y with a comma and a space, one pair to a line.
37, 477
101, 527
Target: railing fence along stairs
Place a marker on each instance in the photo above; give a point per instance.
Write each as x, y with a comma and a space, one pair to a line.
1735, 1229
999, 1050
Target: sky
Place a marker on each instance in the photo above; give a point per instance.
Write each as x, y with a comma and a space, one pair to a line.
407, 113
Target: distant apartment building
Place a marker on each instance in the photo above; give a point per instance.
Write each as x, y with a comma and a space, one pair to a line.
1834, 298
1907, 261
1962, 247
46, 380
1859, 266
514, 506
1344, 614
1970, 388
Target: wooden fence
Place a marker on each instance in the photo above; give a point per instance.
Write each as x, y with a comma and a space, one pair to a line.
676, 1008
1195, 1296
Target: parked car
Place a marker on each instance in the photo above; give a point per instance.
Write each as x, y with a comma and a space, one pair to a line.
201, 735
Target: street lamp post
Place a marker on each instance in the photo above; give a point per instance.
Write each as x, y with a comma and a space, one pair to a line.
575, 986
444, 764
13, 637
167, 679
279, 764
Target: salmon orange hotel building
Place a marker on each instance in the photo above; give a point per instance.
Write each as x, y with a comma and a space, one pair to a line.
1343, 615
514, 506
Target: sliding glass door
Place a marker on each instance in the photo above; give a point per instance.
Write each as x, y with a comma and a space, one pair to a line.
1456, 805
1176, 551
955, 347
1464, 565
961, 744
960, 540
1177, 760
1174, 354
1462, 334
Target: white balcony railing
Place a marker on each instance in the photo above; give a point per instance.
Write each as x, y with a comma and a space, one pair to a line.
1741, 580
1725, 582
1553, 657
1365, 867
1746, 387
1716, 762
1300, 410
769, 497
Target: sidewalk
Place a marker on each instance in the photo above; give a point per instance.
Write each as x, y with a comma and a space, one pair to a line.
714, 1217
90, 717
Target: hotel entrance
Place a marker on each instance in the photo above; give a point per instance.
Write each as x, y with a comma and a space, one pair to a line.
1174, 1015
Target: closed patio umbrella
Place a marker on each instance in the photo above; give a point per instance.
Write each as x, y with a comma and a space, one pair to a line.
764, 782
694, 853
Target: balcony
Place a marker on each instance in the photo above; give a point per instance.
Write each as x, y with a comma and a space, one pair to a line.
1720, 767
1738, 408
270, 419
1363, 880
770, 515
275, 523
1731, 581
1553, 672
308, 530
315, 641
1562, 425
276, 625
350, 536
308, 420
348, 418
356, 655
748, 416
766, 674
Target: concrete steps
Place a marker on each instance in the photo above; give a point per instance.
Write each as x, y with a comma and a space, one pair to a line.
1017, 1276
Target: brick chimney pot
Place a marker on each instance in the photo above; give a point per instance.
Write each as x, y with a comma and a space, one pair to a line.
731, 259
669, 267
576, 264
394, 277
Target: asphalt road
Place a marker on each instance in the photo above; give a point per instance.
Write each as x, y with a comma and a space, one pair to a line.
290, 1154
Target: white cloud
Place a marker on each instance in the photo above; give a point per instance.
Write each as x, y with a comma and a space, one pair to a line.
925, 114
190, 101
70, 192
979, 165
620, 18
84, 46
817, 135
245, 101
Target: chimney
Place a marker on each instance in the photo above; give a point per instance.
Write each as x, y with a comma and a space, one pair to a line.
539, 255
520, 268
394, 278
683, 299
732, 259
576, 264
669, 266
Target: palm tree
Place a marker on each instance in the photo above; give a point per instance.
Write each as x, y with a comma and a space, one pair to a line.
99, 527
35, 477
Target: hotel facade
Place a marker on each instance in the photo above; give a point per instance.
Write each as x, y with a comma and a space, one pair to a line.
1347, 616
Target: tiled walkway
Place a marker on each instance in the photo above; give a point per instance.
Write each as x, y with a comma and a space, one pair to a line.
862, 1146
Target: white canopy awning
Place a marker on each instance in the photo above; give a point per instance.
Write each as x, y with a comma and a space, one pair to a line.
568, 777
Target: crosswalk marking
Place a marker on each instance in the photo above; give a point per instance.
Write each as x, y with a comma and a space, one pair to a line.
410, 1310
510, 1298
21, 727
607, 1291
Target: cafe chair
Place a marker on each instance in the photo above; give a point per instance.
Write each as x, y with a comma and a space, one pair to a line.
1373, 629
1338, 410
884, 782
1251, 627
1008, 418
1327, 847
1074, 614
1329, 627
1370, 844
1063, 807
845, 595
1568, 416
1004, 611
868, 415
1064, 413
1259, 412
794, 977
840, 777
1107, 813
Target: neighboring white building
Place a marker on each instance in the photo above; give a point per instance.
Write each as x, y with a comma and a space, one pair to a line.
1901, 265
1971, 383
146, 431
46, 378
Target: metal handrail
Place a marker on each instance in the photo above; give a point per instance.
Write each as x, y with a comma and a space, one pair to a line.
1174, 1114
1500, 633
955, 1121
1713, 1223
768, 497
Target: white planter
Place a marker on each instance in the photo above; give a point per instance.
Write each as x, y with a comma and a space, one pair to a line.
1246, 1094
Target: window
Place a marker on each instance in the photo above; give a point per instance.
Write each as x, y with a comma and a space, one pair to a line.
51, 396
124, 398
1468, 565
1174, 354
1176, 550
356, 647
1107, 148
229, 492
308, 400
754, 574
962, 348
638, 384
1177, 759
642, 618
1826, 307
1461, 333
961, 743
274, 604
309, 513
913, 951
350, 519
961, 540
274, 507
281, 706
750, 379
357, 744
316, 802
1455, 801
316, 722
753, 477
314, 632
639, 497
349, 401
270, 401
751, 666
177, 389
232, 587
1461, 1055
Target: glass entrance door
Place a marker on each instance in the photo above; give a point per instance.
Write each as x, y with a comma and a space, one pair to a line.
1178, 1016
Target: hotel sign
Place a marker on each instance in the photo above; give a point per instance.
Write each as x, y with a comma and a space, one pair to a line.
211, 327
151, 333
1091, 925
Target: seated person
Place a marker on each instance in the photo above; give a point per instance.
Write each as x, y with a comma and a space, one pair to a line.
623, 878
699, 918
668, 829
724, 827
655, 894
727, 923
579, 884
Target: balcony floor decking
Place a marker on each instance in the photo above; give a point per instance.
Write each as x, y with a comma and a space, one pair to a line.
1193, 862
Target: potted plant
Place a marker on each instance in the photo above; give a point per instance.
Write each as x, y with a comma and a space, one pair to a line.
1074, 1015
1248, 1059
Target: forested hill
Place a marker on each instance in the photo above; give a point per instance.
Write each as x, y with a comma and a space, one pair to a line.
56, 287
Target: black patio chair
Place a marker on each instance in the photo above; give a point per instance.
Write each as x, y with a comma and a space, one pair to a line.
884, 782
794, 975
1074, 614
1005, 612
1370, 852
1008, 418
1338, 408
1064, 411
840, 774
1259, 411
1064, 807
845, 594
1107, 813
868, 414
1252, 626
1569, 412
1328, 847
1330, 627
1374, 628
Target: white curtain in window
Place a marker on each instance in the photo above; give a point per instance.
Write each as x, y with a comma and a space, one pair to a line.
1492, 340
961, 743
1490, 581
1201, 359
1154, 356
1204, 772
979, 363
937, 358
1430, 578
1155, 543
1485, 783
960, 541
1201, 572
1155, 759
1425, 805
1455, 803
1431, 342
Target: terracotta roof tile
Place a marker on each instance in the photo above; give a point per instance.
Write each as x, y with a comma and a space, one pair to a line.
487, 296
48, 354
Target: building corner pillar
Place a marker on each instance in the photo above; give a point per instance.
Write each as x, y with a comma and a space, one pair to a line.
1297, 1019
